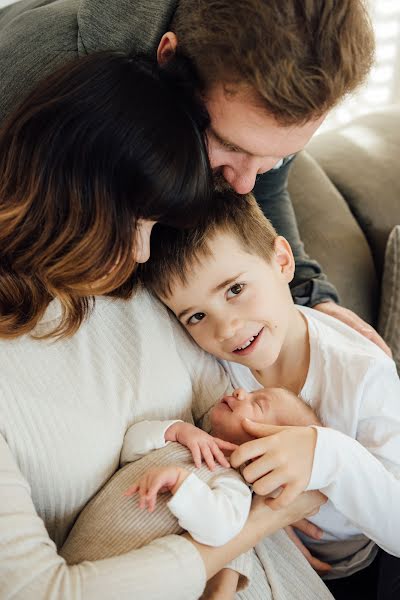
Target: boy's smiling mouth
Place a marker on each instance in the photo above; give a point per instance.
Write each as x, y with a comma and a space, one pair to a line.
248, 345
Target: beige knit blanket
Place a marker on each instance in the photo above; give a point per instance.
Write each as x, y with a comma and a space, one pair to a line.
112, 524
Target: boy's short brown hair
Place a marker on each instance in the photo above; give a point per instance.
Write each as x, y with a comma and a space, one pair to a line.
300, 56
175, 252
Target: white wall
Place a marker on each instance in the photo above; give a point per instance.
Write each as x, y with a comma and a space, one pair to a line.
383, 85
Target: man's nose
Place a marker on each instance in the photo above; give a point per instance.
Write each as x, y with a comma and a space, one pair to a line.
242, 181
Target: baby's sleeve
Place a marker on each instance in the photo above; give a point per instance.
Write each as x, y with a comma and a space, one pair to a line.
143, 437
212, 513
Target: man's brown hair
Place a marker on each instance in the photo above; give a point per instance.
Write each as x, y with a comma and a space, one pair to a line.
300, 56
175, 252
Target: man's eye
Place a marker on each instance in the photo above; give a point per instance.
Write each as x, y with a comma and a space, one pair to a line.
196, 318
235, 290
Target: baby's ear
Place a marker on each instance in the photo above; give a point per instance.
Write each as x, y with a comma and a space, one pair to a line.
284, 258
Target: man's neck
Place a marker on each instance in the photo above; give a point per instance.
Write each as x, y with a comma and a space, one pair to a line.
291, 368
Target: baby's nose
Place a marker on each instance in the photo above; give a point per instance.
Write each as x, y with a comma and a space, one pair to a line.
240, 394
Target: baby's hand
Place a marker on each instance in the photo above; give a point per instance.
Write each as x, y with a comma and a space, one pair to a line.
201, 444
157, 479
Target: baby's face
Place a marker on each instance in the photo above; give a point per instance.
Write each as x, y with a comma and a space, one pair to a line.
268, 405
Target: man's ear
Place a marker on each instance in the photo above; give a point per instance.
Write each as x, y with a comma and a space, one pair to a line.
284, 258
167, 47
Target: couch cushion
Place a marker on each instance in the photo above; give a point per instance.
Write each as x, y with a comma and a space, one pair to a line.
389, 320
362, 160
332, 236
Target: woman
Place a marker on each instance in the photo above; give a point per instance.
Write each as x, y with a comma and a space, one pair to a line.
91, 159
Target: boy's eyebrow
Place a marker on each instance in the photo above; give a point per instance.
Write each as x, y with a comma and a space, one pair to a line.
219, 287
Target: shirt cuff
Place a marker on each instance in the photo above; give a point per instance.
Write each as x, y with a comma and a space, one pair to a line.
144, 437
326, 459
243, 565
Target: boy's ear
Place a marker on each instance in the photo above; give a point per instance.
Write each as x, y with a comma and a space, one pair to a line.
284, 258
167, 47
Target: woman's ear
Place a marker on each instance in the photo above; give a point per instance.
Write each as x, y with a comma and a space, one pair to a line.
284, 258
167, 47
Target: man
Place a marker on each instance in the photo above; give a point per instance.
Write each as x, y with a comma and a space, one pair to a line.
268, 71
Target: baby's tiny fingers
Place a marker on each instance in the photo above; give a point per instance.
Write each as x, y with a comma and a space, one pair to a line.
151, 500
131, 490
196, 454
225, 445
208, 457
220, 456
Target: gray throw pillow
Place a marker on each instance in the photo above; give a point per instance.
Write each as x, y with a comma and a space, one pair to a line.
389, 318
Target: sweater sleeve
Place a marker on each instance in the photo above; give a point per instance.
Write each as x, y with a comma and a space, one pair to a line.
30, 566
143, 437
243, 565
369, 466
213, 514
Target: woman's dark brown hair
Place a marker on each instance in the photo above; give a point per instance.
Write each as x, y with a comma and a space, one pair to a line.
101, 143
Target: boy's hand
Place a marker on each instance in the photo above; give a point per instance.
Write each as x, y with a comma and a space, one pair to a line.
281, 457
201, 444
157, 479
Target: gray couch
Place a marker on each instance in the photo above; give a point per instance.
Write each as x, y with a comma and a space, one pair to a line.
345, 189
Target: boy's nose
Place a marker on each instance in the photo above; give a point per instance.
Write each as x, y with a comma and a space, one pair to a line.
226, 329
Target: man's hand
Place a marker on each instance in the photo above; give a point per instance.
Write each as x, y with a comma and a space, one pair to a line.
281, 457
352, 320
312, 531
155, 480
222, 586
202, 445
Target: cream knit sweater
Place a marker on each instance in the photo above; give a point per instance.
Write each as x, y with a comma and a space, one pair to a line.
64, 410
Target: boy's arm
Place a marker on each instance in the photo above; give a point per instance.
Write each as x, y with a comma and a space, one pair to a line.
310, 285
369, 466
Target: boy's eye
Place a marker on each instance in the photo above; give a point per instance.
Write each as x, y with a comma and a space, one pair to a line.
235, 290
196, 318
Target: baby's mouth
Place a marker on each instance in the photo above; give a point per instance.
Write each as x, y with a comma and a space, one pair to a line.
225, 401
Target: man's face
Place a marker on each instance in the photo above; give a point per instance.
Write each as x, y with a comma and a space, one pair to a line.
236, 305
245, 141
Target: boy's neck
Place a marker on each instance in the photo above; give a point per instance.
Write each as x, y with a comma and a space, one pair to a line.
291, 368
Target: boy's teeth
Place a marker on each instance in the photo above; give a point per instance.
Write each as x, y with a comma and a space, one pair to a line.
246, 344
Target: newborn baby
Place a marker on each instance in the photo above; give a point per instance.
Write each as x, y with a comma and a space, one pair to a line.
273, 406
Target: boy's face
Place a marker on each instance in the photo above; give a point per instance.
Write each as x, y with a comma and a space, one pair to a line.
236, 305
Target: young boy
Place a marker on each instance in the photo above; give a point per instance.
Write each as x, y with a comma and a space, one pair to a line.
227, 283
